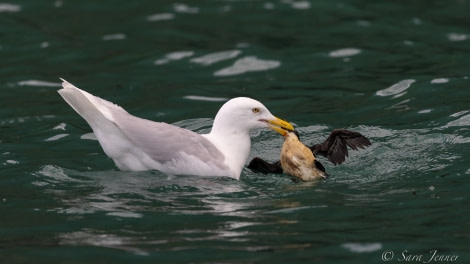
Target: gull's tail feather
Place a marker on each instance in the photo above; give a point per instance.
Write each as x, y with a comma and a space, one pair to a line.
93, 109
99, 114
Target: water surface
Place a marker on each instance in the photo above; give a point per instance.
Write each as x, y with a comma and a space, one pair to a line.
397, 72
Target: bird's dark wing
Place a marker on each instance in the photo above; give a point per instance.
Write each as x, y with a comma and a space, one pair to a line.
260, 165
335, 146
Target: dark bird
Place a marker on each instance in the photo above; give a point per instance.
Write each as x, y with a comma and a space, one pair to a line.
300, 161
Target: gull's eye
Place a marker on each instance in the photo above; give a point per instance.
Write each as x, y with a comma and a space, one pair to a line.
255, 110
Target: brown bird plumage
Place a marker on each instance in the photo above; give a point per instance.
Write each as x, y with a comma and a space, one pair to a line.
300, 161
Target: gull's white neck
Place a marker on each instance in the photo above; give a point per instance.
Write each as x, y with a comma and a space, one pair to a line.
234, 143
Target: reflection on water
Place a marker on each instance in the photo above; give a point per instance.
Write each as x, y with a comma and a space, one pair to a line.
125, 195
239, 213
90, 237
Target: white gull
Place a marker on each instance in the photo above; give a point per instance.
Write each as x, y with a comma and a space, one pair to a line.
137, 144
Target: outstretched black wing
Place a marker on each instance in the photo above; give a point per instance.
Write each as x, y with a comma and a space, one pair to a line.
260, 165
335, 146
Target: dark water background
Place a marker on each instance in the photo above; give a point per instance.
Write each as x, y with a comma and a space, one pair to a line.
396, 71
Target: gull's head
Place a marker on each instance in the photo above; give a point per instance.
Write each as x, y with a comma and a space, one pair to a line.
245, 114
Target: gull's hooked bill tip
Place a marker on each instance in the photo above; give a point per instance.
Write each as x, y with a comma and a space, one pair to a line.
280, 126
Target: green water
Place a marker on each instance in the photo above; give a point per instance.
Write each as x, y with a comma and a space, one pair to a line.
395, 71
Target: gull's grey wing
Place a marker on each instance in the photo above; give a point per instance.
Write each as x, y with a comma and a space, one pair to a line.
335, 146
164, 142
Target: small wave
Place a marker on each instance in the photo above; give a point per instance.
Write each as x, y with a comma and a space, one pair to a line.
89, 136
11, 162
6, 7
182, 8
457, 37
205, 98
56, 137
439, 80
462, 121
39, 83
174, 56
397, 89
346, 52
55, 173
160, 17
117, 36
60, 126
125, 214
248, 64
216, 57
362, 247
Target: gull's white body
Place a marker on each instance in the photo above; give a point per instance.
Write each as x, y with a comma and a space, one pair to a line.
138, 144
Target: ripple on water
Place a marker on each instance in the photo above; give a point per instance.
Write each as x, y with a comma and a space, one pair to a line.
6, 7
216, 57
54, 174
462, 121
346, 52
11, 162
398, 89
174, 56
457, 36
116, 36
247, 64
439, 80
39, 83
362, 247
90, 237
183, 8
56, 137
160, 17
205, 98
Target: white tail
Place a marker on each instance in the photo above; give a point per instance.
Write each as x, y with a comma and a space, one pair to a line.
98, 114
93, 109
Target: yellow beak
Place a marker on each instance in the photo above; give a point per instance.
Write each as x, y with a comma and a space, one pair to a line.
280, 126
